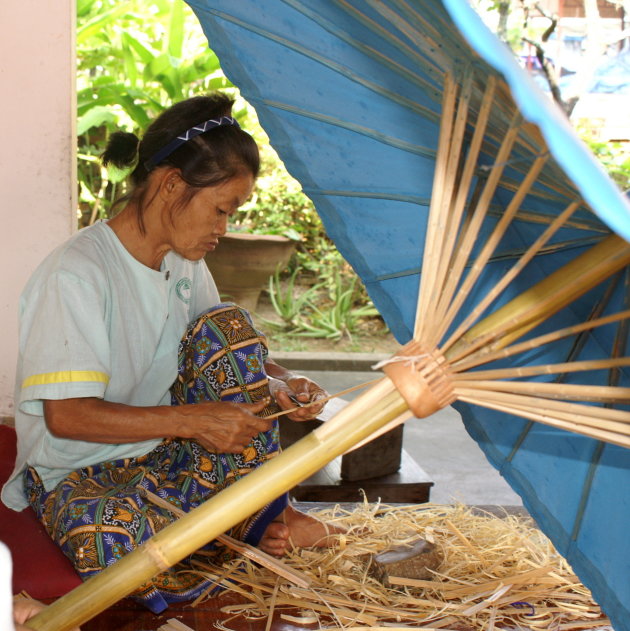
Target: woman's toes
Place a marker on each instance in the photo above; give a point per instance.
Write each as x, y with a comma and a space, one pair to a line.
277, 530
275, 539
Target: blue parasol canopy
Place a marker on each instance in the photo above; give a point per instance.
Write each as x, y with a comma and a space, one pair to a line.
354, 96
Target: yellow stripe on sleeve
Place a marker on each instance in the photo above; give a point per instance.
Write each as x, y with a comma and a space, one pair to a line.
65, 376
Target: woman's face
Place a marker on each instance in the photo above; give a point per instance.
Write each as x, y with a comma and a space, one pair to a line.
196, 227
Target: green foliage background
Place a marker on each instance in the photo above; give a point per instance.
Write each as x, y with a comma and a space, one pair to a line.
136, 58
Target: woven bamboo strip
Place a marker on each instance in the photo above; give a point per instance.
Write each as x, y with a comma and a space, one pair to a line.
484, 356
546, 369
544, 299
430, 260
358, 419
448, 307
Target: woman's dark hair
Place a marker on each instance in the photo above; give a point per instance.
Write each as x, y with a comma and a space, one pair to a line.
205, 160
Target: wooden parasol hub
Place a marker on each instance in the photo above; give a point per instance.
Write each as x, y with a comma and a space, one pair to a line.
422, 378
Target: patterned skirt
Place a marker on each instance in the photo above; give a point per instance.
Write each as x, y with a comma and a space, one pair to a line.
100, 513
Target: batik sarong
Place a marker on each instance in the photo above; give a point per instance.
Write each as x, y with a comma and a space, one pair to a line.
100, 513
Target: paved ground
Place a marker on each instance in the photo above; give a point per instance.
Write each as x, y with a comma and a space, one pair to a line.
442, 447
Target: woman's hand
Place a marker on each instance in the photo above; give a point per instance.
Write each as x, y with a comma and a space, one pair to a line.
224, 427
301, 389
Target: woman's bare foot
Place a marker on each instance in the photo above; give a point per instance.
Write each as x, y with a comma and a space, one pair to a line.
295, 529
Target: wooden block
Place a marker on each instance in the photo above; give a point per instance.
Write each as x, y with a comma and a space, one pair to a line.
410, 485
413, 561
377, 458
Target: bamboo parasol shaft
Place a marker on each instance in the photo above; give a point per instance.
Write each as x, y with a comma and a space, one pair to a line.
360, 418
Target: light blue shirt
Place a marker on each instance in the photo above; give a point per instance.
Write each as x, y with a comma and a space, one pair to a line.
95, 322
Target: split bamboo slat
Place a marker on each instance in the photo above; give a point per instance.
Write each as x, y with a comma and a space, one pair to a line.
453, 341
258, 556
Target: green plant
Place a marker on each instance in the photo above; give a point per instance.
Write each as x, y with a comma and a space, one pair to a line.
339, 314
135, 58
286, 301
614, 156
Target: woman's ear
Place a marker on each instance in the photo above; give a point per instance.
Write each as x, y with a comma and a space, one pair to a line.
171, 182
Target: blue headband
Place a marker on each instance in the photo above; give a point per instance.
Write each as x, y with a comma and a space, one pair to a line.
186, 136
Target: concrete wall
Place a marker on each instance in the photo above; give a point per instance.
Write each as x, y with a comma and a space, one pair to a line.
37, 153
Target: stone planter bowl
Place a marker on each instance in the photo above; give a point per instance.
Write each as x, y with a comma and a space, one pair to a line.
242, 264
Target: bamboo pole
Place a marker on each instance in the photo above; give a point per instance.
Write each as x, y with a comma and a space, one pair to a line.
547, 297
258, 556
358, 419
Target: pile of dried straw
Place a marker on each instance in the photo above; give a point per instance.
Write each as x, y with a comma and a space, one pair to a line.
497, 573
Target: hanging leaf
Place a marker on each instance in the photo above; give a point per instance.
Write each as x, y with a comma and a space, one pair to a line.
95, 117
85, 195
142, 53
174, 43
98, 23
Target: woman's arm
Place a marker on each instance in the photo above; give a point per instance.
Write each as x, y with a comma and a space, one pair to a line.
219, 426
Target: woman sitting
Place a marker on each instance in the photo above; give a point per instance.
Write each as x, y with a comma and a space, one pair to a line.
133, 377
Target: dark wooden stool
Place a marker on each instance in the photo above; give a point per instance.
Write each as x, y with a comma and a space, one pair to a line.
380, 470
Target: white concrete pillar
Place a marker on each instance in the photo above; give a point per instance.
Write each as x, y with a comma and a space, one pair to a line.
37, 153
